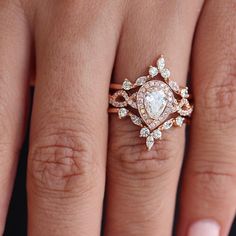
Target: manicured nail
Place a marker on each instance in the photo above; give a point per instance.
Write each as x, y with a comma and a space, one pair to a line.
204, 228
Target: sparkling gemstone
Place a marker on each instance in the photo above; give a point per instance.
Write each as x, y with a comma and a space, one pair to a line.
141, 80
127, 85
154, 98
155, 103
165, 73
153, 71
179, 121
184, 92
136, 120
149, 142
157, 134
168, 124
174, 85
161, 63
144, 132
123, 112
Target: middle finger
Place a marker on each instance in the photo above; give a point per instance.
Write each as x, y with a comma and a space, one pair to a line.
66, 170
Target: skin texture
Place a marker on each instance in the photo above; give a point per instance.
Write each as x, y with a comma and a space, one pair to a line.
73, 49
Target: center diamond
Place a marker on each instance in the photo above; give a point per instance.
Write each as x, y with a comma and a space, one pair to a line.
155, 103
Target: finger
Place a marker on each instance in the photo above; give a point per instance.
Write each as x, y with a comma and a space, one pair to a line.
66, 170
14, 64
142, 185
208, 200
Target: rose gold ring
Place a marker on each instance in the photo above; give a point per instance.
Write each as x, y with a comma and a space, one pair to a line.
153, 102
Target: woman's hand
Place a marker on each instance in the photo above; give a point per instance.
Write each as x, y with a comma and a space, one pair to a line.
76, 45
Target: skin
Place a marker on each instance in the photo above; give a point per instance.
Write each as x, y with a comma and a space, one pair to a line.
73, 49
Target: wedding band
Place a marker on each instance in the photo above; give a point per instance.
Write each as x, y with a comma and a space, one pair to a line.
153, 102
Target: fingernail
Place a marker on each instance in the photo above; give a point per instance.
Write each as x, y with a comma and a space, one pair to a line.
204, 228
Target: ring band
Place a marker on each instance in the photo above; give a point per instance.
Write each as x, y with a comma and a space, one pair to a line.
153, 102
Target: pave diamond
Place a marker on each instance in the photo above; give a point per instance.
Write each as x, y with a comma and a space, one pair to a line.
153, 71
155, 103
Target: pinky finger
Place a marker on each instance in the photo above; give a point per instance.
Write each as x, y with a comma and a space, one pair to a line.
208, 198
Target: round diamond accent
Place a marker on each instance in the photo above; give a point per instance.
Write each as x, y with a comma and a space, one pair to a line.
157, 134
179, 121
184, 92
123, 112
165, 73
153, 71
144, 132
127, 85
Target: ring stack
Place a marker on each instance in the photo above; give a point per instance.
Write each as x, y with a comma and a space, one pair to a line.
154, 102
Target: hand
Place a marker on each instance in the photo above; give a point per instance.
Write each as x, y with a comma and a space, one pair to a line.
72, 49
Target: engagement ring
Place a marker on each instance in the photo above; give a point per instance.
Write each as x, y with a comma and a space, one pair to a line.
153, 102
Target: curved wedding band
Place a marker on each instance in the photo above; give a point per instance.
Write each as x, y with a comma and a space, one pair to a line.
153, 102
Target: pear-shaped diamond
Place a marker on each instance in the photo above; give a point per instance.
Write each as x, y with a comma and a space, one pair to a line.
155, 103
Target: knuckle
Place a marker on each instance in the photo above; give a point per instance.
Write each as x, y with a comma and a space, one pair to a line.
219, 94
214, 179
62, 161
130, 156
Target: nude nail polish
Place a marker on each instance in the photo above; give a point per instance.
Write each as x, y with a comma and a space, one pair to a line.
204, 228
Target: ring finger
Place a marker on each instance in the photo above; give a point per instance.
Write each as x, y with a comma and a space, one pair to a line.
142, 185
